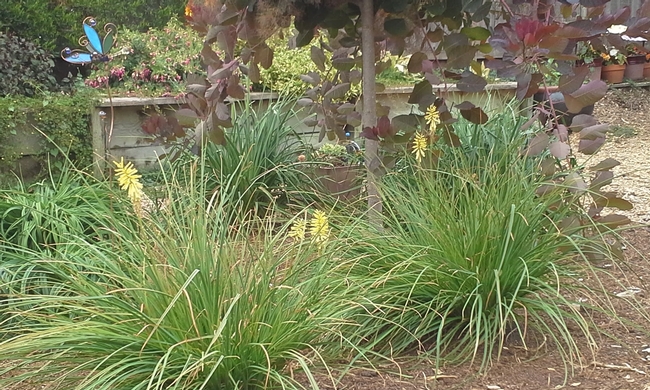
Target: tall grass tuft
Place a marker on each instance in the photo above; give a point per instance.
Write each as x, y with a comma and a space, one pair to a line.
469, 259
43, 214
177, 302
258, 166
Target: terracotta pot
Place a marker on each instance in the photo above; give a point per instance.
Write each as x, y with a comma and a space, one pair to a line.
637, 59
613, 73
646, 70
634, 68
344, 182
594, 68
594, 72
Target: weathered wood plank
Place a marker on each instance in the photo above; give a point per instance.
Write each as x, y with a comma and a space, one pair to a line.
131, 142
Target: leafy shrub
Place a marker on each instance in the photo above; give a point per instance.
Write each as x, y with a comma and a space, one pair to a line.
226, 311
63, 118
158, 60
56, 25
473, 257
288, 64
25, 68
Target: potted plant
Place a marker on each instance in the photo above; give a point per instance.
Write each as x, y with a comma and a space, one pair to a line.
613, 70
635, 63
339, 168
590, 57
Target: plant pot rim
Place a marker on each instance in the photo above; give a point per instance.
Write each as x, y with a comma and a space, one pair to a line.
636, 59
548, 89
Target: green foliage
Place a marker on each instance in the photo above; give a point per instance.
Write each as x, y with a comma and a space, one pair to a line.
64, 119
623, 131
396, 74
50, 212
25, 68
158, 60
227, 310
473, 258
56, 25
338, 154
288, 64
258, 165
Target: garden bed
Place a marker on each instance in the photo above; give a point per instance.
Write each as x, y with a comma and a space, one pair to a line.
623, 360
128, 139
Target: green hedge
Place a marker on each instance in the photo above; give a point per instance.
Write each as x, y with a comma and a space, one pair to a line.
57, 24
63, 118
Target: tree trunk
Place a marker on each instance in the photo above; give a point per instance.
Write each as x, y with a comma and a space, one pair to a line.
369, 115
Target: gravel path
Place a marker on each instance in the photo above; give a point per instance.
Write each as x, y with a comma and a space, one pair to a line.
628, 111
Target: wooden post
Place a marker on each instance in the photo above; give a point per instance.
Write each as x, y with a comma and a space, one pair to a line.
369, 115
98, 141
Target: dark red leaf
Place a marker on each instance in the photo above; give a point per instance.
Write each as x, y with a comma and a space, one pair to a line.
582, 121
593, 3
605, 165
613, 221
537, 144
475, 115
589, 146
594, 132
337, 91
562, 133
415, 62
471, 82
318, 57
397, 27
585, 96
601, 179
370, 133
450, 137
560, 150
570, 83
384, 129
421, 91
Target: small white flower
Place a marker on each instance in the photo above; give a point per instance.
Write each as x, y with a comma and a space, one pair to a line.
613, 52
617, 29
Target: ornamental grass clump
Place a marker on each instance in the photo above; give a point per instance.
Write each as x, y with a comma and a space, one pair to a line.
258, 165
49, 212
469, 258
181, 302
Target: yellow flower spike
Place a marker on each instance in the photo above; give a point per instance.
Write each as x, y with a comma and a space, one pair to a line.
319, 227
419, 146
128, 179
479, 69
432, 117
298, 229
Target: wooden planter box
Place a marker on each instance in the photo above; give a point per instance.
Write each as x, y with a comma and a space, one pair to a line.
27, 143
130, 141
343, 182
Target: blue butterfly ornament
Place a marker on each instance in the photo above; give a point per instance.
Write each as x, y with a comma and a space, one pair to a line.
96, 49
